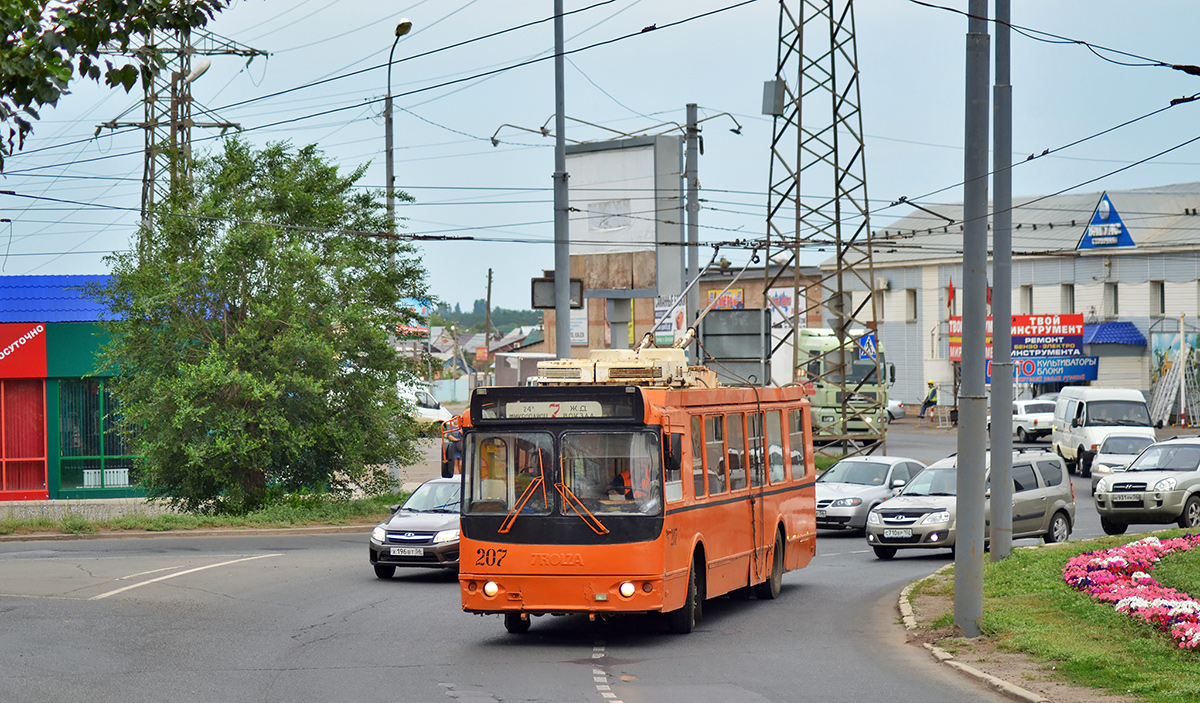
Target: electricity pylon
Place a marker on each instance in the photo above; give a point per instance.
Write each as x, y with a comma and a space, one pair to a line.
167, 108
816, 80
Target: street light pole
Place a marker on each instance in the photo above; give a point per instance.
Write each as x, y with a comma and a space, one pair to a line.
402, 28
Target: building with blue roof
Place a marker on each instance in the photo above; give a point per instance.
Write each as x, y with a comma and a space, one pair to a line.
60, 434
1125, 263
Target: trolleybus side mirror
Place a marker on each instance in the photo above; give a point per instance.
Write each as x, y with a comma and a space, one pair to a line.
891, 373
674, 453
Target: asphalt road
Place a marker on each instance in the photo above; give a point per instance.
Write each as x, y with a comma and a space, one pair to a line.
302, 618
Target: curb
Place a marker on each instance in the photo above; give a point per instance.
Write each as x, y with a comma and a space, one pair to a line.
364, 529
943, 657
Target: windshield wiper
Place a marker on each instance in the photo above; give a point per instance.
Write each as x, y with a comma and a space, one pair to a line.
572, 501
525, 496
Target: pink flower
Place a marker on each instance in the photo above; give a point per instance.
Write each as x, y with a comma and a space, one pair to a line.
1120, 575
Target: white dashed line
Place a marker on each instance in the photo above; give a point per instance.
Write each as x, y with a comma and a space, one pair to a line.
600, 676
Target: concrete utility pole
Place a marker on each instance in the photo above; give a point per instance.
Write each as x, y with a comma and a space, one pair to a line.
691, 164
562, 250
487, 315
1002, 366
968, 549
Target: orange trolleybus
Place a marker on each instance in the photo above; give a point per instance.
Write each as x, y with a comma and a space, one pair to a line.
631, 483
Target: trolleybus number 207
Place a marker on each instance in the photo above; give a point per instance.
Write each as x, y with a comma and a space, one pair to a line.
612, 499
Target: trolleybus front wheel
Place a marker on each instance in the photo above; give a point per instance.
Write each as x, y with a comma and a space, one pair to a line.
684, 620
515, 624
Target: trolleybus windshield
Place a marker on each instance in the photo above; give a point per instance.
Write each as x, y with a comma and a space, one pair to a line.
583, 473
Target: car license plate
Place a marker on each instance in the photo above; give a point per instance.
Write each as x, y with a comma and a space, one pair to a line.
820, 514
1127, 497
898, 532
407, 551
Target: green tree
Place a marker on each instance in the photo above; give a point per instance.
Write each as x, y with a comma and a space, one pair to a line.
252, 333
44, 44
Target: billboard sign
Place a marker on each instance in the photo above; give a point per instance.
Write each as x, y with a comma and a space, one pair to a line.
22, 350
732, 299
1037, 336
1033, 336
1105, 230
1061, 370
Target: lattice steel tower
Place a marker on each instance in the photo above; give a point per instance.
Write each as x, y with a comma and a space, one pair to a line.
167, 108
818, 145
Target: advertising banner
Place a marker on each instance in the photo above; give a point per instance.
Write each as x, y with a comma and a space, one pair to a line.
1033, 336
22, 350
732, 299
667, 329
1062, 370
1050, 336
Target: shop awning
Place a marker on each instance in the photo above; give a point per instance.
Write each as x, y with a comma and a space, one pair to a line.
1113, 333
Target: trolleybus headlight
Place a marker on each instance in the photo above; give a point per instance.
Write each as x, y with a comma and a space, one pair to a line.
491, 588
626, 590
379, 534
647, 586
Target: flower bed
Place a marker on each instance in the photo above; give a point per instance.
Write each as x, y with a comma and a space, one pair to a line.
1120, 575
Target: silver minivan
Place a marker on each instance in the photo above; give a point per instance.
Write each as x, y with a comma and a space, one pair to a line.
922, 516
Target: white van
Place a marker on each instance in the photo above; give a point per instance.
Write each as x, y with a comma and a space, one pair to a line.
426, 408
1084, 417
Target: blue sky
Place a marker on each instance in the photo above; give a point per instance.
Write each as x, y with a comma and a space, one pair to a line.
910, 58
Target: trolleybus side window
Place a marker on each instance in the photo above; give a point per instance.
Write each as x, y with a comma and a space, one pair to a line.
714, 453
796, 443
613, 472
774, 445
754, 431
697, 458
737, 450
506, 468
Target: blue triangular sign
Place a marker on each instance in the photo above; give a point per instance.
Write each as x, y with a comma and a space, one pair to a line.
1106, 230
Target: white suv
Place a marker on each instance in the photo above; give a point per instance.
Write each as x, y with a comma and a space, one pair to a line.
1161, 486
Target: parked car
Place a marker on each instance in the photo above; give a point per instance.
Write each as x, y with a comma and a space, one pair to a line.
1031, 419
849, 489
1115, 453
922, 516
895, 410
1160, 486
422, 532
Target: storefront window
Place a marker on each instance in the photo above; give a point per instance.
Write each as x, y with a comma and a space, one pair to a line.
92, 438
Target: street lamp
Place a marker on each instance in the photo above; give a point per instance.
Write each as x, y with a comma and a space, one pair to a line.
402, 27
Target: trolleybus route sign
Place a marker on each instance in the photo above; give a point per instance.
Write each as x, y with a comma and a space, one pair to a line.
550, 409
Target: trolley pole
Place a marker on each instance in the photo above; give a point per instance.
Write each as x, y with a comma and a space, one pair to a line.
968, 551
1002, 367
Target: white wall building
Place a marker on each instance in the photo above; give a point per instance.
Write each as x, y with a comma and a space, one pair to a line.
1132, 286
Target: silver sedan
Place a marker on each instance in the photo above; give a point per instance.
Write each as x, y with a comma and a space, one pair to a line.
851, 487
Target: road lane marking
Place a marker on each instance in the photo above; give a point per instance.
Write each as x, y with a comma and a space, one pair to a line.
180, 573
